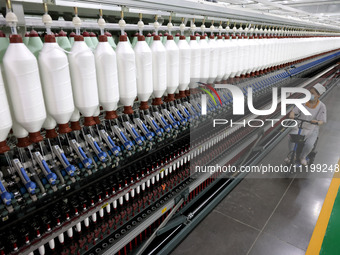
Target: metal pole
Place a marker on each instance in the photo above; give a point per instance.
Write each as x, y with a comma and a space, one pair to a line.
148, 242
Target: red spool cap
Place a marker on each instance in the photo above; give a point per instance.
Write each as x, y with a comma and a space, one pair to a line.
197, 34
23, 142
50, 39
144, 105
192, 37
148, 35
15, 39
34, 33
160, 34
86, 34
2, 34
3, 147
157, 101
123, 38
72, 34
156, 38
63, 33
219, 37
170, 37
128, 110
171, 97
182, 93
141, 38
75, 125
177, 34
136, 34
177, 96
97, 120
212, 37
51, 134
92, 34
154, 33
166, 34
102, 38
78, 38
182, 37
202, 37
64, 128
89, 121
27, 34
35, 137
108, 34
110, 115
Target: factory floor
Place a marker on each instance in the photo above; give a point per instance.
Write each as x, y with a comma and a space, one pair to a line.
274, 215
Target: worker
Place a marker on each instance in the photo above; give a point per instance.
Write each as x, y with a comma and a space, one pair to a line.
310, 131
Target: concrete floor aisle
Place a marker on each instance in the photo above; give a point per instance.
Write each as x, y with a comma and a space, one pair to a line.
271, 215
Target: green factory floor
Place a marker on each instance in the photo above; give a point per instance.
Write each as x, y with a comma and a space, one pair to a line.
330, 244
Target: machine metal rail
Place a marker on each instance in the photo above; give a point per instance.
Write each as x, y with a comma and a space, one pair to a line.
212, 10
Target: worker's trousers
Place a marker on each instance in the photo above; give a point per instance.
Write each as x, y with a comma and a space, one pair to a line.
310, 139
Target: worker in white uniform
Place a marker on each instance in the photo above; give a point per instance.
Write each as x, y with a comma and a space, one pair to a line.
318, 116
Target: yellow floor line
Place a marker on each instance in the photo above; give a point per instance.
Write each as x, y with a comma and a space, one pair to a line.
316, 240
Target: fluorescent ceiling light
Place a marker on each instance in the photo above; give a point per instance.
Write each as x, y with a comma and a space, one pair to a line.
89, 5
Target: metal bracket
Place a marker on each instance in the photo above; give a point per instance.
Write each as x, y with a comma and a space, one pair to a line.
125, 8
52, 2
178, 220
258, 148
184, 195
172, 224
152, 237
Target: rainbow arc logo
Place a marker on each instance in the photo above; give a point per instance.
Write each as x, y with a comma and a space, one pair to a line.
204, 104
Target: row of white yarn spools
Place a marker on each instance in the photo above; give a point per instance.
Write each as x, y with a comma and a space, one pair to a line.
244, 55
51, 90
84, 80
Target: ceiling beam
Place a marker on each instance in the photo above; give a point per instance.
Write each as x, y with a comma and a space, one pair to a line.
311, 3
291, 9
